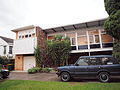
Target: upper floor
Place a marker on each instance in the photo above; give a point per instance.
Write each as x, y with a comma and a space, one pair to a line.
84, 37
26, 39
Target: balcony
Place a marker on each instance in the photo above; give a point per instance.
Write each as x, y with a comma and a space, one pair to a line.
25, 46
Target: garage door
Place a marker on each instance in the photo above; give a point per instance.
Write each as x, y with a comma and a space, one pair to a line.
29, 62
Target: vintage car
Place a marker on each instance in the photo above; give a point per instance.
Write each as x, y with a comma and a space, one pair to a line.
101, 66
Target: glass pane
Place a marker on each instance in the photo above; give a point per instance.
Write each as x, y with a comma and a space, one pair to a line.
96, 38
71, 35
73, 41
82, 32
82, 40
106, 38
50, 37
82, 61
93, 32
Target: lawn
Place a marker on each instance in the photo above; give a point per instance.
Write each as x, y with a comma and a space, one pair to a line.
42, 85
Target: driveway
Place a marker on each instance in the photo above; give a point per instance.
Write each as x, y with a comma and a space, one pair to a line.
50, 77
37, 76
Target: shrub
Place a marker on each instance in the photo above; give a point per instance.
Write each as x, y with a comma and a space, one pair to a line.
46, 70
34, 70
31, 71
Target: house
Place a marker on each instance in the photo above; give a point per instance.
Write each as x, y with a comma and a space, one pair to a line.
88, 38
6, 47
27, 38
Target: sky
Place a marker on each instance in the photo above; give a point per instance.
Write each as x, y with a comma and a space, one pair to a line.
47, 13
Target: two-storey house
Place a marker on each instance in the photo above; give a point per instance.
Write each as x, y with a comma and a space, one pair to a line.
87, 39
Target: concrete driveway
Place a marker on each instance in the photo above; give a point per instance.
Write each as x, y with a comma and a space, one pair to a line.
50, 77
37, 76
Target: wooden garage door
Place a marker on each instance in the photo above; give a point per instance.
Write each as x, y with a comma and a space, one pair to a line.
29, 62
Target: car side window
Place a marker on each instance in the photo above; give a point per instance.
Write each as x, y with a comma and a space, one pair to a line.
95, 61
82, 61
109, 60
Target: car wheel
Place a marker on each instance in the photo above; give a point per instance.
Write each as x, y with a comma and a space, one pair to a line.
65, 76
104, 77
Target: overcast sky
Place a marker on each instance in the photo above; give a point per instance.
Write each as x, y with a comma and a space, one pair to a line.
47, 13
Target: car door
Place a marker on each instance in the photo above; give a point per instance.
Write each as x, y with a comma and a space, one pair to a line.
94, 66
81, 67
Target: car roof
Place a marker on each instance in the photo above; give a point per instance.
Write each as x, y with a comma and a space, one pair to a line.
96, 56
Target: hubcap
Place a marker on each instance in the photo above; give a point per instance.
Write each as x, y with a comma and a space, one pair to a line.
104, 77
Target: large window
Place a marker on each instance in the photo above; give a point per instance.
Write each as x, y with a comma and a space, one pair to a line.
94, 39
72, 38
82, 39
10, 49
107, 40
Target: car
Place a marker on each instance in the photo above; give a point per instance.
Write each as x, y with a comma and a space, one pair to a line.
4, 73
101, 66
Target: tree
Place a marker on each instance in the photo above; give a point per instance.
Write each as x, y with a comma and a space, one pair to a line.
58, 50
38, 56
112, 24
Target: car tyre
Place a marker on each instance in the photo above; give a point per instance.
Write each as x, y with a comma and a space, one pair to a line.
65, 76
104, 77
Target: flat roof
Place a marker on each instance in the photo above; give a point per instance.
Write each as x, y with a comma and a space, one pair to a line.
96, 56
94, 23
23, 28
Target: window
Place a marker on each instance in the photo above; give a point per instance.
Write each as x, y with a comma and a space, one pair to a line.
93, 36
106, 38
10, 49
82, 40
72, 38
22, 36
4, 50
30, 35
109, 60
72, 41
19, 37
26, 36
95, 61
33, 35
83, 61
50, 37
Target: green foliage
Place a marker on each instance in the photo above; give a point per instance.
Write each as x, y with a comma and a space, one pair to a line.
3, 60
58, 50
111, 6
34, 70
46, 70
38, 56
112, 25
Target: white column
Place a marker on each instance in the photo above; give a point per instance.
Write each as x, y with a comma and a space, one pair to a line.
76, 40
100, 38
88, 39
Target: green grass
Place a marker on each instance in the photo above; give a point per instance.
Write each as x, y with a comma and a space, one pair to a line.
40, 85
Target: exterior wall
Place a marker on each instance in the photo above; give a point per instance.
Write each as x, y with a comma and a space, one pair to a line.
19, 62
6, 45
41, 37
25, 46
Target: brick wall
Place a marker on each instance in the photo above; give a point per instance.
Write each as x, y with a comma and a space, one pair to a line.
41, 37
